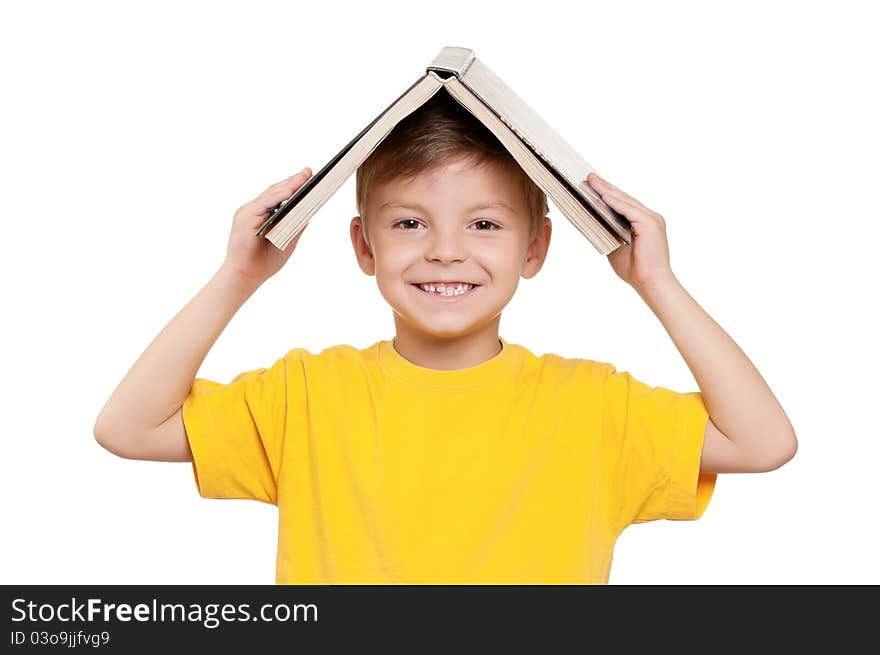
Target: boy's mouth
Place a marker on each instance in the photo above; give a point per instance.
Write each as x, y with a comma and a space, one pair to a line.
445, 291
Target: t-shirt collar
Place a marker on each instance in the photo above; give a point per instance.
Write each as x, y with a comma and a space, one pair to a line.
489, 372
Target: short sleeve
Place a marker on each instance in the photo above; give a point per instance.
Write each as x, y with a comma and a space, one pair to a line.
653, 441
236, 432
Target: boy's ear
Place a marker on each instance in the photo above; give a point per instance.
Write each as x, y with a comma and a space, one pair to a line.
362, 250
537, 252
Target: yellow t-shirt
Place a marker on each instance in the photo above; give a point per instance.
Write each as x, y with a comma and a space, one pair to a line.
520, 470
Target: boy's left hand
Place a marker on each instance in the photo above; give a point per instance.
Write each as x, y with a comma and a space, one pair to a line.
645, 261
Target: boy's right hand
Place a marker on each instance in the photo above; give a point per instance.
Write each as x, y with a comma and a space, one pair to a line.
256, 259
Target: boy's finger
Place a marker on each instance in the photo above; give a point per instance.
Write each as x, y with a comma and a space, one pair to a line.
594, 179
616, 200
602, 183
608, 189
280, 191
273, 196
306, 172
303, 174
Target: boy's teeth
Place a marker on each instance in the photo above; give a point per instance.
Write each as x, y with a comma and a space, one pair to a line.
452, 290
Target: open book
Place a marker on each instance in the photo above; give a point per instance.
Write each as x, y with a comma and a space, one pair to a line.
546, 158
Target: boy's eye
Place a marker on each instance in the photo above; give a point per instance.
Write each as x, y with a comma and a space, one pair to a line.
406, 220
488, 222
482, 221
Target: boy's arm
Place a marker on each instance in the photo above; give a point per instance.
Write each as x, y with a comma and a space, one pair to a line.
143, 419
747, 429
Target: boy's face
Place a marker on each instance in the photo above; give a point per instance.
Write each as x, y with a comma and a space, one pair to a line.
438, 226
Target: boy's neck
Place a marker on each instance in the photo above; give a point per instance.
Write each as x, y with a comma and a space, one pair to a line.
449, 354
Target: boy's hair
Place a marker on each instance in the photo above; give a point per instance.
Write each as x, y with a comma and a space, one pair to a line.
441, 130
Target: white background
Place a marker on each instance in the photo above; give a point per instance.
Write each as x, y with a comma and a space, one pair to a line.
130, 135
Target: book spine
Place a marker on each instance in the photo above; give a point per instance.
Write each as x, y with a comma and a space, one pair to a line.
452, 60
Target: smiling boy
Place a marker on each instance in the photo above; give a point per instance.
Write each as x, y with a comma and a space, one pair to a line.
458, 222
448, 454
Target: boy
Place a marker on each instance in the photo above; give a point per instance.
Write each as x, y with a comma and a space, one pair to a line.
447, 454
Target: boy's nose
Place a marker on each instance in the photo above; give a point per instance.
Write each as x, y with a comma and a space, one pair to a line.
446, 245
